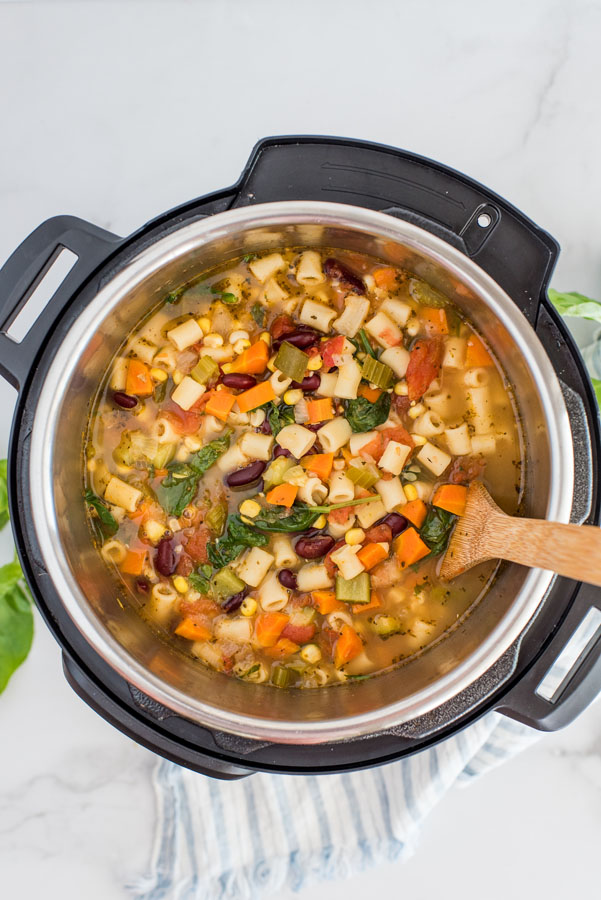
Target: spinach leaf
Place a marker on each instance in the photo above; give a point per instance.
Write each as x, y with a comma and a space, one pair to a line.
229, 299
362, 415
298, 519
16, 621
575, 305
258, 313
436, 530
366, 346
279, 416
178, 488
238, 536
3, 494
101, 514
174, 296
249, 257
201, 579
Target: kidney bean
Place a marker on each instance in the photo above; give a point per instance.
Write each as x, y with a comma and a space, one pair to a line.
235, 602
126, 401
313, 548
265, 427
239, 381
142, 585
281, 326
395, 522
287, 579
310, 383
280, 451
165, 560
338, 271
245, 477
303, 338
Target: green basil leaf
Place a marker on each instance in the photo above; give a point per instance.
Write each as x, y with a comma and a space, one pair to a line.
101, 514
362, 415
16, 621
258, 313
575, 305
437, 527
3, 494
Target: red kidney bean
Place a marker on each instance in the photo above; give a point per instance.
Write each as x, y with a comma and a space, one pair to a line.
280, 451
287, 579
339, 272
142, 585
395, 522
238, 381
265, 427
281, 326
235, 602
313, 548
165, 560
125, 400
301, 338
310, 383
245, 477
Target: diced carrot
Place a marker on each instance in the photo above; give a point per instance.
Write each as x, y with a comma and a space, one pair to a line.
371, 554
138, 380
476, 354
326, 602
160, 473
193, 631
221, 403
283, 647
269, 627
252, 361
374, 603
319, 463
133, 564
410, 548
256, 396
415, 511
451, 497
142, 512
320, 410
371, 394
348, 646
282, 495
386, 278
435, 320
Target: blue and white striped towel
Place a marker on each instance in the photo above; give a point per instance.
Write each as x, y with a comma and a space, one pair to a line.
245, 840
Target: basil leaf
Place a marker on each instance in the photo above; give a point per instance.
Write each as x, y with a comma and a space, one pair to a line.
238, 536
362, 415
101, 515
436, 530
16, 621
299, 518
575, 305
279, 416
3, 494
178, 488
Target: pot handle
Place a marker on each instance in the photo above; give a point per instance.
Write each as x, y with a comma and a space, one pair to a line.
25, 270
568, 692
504, 242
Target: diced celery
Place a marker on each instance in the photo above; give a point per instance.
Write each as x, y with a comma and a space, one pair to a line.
426, 294
164, 455
291, 361
276, 472
377, 373
362, 473
385, 626
226, 583
134, 447
280, 676
355, 590
215, 518
303, 616
204, 369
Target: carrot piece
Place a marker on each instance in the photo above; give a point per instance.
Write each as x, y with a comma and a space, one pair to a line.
193, 631
410, 548
476, 354
435, 320
283, 647
320, 464
133, 564
386, 278
221, 403
451, 497
371, 394
256, 396
142, 512
348, 646
269, 627
252, 361
371, 554
415, 511
320, 410
326, 602
138, 380
374, 603
282, 495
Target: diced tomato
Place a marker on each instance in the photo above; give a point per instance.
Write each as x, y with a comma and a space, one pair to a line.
183, 421
300, 634
196, 544
378, 534
339, 516
398, 434
466, 469
331, 566
332, 350
185, 566
376, 448
425, 360
281, 326
400, 403
326, 640
199, 610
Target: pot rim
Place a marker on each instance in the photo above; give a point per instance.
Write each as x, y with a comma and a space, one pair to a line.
181, 242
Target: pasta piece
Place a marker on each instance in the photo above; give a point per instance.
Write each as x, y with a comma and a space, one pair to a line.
120, 493
186, 334
384, 330
357, 441
256, 446
349, 379
164, 432
424, 489
333, 435
119, 374
284, 555
163, 598
265, 267
309, 270
316, 315
165, 358
394, 457
433, 458
368, 513
398, 311
336, 620
458, 440
313, 492
476, 377
274, 292
187, 393
238, 418
486, 444
208, 653
280, 383
234, 458
313, 577
210, 428
297, 439
479, 400
391, 493
341, 488
428, 424
114, 551
338, 529
454, 353
349, 565
272, 595
355, 310
144, 349
327, 385
238, 629
254, 565
397, 358
438, 402
219, 354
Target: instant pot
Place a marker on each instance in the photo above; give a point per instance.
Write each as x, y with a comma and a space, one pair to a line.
297, 191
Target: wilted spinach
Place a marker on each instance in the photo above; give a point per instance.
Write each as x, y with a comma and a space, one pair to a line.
363, 415
437, 527
238, 536
258, 313
201, 579
279, 416
178, 488
101, 514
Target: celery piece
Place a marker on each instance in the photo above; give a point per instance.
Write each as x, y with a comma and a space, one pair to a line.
425, 294
204, 369
386, 626
355, 590
363, 474
280, 676
291, 361
134, 447
215, 518
303, 616
164, 455
226, 583
276, 472
377, 373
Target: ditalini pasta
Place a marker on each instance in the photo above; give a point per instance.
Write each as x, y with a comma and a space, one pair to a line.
277, 457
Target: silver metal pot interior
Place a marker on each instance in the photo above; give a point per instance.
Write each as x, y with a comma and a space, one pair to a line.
90, 593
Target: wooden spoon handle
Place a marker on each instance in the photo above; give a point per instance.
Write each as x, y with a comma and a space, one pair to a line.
570, 550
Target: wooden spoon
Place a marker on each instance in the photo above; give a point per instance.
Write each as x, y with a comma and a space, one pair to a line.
485, 532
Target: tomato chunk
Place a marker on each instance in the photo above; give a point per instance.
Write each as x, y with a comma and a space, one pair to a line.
424, 366
196, 545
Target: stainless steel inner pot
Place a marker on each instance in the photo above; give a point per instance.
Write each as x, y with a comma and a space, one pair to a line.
87, 589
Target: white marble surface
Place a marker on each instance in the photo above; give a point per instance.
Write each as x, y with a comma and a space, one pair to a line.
116, 111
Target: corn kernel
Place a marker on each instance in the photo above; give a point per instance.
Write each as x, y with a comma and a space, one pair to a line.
292, 397
177, 376
158, 374
204, 324
174, 524
315, 363
401, 389
249, 606
265, 336
410, 492
414, 411
419, 440
249, 508
413, 327
354, 536
310, 653
238, 336
226, 368
320, 522
271, 364
213, 340
180, 584
241, 345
